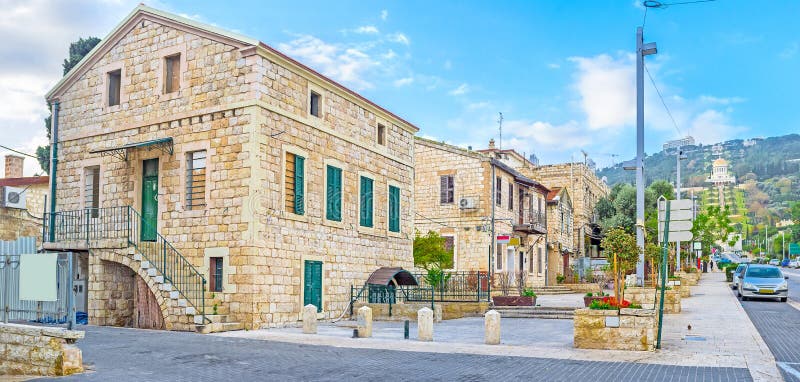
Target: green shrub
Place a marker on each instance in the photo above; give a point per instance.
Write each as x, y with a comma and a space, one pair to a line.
528, 292
589, 294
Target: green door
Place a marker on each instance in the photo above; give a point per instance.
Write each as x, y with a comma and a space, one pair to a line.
149, 199
312, 288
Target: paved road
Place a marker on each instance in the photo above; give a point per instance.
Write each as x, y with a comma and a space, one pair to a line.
778, 323
139, 355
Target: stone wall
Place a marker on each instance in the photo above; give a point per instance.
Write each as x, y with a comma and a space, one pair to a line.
649, 298
624, 329
400, 312
39, 350
16, 223
689, 278
583, 288
111, 293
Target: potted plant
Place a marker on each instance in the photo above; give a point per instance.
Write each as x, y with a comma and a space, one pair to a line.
526, 298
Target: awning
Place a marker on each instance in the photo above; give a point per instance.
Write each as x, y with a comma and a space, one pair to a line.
384, 275
121, 152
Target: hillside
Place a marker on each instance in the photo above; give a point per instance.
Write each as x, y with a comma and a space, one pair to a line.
766, 169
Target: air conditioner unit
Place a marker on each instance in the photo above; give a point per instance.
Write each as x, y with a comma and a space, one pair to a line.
12, 197
467, 203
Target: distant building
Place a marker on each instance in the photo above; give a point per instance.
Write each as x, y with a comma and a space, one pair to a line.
719, 173
21, 201
534, 159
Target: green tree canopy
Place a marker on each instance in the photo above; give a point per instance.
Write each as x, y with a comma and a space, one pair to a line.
430, 252
619, 242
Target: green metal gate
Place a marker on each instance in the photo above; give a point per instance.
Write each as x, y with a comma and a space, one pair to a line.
149, 199
312, 280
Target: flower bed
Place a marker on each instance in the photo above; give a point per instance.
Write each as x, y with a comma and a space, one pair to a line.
613, 329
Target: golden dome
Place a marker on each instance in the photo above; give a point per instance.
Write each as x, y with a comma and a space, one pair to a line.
720, 162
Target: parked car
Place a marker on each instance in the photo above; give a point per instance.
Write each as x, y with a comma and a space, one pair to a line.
794, 264
785, 262
763, 281
737, 274
774, 262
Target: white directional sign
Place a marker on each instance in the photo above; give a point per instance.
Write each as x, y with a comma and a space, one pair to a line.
680, 219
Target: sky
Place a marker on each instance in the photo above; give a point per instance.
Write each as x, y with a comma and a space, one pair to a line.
562, 73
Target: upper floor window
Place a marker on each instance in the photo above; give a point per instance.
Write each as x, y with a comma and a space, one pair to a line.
196, 180
446, 189
172, 70
381, 135
315, 103
394, 209
333, 196
511, 196
498, 193
91, 190
366, 202
114, 86
293, 183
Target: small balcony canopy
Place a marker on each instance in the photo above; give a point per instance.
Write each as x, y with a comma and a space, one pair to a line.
121, 152
385, 275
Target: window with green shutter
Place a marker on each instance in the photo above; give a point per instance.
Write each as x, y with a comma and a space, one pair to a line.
394, 209
366, 199
333, 196
299, 192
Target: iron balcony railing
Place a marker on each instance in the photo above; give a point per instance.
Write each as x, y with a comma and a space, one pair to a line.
90, 226
391, 295
533, 221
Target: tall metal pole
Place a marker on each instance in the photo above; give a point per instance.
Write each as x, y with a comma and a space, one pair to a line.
53, 168
492, 245
678, 197
639, 155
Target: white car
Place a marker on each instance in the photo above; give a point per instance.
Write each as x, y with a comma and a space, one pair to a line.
794, 264
774, 262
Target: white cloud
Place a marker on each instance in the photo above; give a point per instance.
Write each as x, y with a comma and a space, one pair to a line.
367, 29
384, 15
553, 66
399, 38
404, 81
790, 51
346, 64
712, 126
460, 90
389, 55
720, 100
606, 91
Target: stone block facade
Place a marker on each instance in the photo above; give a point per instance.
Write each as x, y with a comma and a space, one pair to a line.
245, 105
649, 298
468, 176
36, 350
624, 329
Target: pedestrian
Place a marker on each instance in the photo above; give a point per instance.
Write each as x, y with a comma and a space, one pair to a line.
712, 265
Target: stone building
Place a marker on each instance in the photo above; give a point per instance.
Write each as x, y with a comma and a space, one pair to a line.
190, 154
585, 189
454, 193
560, 241
21, 201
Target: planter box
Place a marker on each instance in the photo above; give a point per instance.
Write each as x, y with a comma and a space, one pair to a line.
624, 329
583, 288
513, 301
648, 298
588, 300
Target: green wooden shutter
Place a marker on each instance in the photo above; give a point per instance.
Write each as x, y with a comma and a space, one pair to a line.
312, 284
394, 209
299, 192
366, 202
333, 208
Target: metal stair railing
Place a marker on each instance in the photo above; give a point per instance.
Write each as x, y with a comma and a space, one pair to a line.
125, 223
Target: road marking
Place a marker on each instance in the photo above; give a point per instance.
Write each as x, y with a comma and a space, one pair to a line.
789, 369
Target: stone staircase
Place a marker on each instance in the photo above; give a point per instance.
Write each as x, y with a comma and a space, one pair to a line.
535, 312
180, 314
552, 290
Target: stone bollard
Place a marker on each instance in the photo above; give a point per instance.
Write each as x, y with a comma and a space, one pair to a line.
310, 319
425, 324
364, 322
491, 323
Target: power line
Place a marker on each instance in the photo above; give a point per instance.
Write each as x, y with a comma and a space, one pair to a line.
663, 102
19, 152
660, 5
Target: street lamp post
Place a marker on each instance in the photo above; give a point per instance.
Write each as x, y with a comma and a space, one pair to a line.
677, 144
642, 50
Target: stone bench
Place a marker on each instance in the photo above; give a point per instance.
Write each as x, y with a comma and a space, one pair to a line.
39, 350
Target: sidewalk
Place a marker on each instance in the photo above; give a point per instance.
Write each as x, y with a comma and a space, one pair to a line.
721, 336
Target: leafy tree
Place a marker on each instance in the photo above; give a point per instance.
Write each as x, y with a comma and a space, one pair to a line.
795, 212
662, 187
430, 252
713, 226
77, 50
622, 252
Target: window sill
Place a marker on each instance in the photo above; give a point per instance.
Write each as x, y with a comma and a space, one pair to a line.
195, 213
395, 234
170, 96
292, 216
333, 223
368, 230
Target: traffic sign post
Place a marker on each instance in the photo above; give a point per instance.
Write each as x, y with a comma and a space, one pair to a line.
680, 216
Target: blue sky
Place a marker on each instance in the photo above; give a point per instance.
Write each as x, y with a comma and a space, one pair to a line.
561, 72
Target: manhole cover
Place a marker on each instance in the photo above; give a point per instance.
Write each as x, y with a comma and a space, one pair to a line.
694, 338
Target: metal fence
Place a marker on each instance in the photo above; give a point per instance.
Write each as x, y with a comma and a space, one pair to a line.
467, 286
47, 312
381, 294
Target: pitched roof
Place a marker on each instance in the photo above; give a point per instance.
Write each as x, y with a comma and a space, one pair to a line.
174, 20
553, 194
24, 181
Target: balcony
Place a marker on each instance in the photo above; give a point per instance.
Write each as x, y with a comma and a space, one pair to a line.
532, 222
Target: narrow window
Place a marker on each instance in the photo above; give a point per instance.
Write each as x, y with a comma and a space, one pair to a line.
498, 258
365, 208
539, 260
530, 262
114, 82
381, 135
333, 196
511, 196
498, 193
215, 271
172, 70
315, 104
294, 186
92, 190
394, 209
196, 180
446, 189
